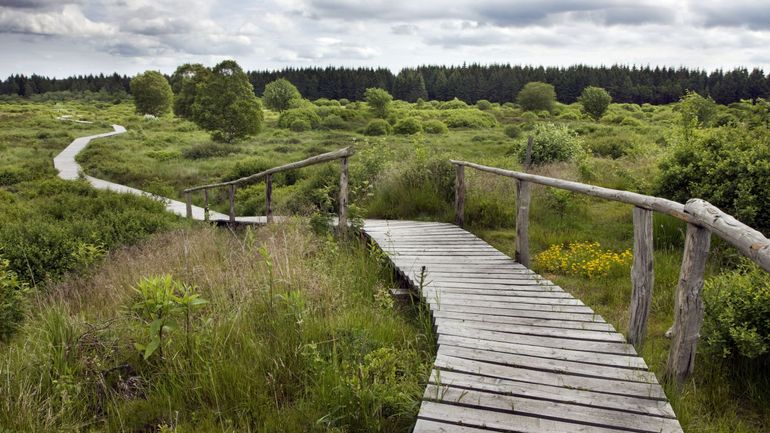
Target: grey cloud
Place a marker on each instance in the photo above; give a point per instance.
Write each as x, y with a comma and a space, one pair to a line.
34, 4
404, 29
752, 15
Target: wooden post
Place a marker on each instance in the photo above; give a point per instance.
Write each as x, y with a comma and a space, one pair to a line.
523, 198
269, 198
343, 216
642, 276
188, 199
205, 205
232, 203
459, 195
688, 315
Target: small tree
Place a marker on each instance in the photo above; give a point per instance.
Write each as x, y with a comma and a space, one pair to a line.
226, 104
537, 96
152, 93
280, 95
378, 100
594, 101
185, 82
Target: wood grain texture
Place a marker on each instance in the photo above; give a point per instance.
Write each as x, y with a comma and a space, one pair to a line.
642, 276
459, 195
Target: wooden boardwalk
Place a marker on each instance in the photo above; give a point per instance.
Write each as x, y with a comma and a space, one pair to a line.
516, 353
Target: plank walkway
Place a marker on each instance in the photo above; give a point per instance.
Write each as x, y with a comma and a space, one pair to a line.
516, 352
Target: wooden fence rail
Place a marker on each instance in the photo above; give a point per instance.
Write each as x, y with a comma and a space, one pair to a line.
267, 175
702, 219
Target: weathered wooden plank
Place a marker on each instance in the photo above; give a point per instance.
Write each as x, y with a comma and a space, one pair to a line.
553, 410
428, 426
547, 323
188, 205
343, 200
523, 198
634, 405
206, 205
688, 315
642, 276
269, 198
231, 197
439, 302
440, 296
577, 334
508, 312
513, 292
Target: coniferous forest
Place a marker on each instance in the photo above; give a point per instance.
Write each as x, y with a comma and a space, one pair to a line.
496, 83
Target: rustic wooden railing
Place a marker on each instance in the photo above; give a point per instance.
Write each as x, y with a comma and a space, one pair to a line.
702, 219
342, 155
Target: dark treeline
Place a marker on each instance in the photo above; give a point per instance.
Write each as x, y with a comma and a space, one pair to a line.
496, 83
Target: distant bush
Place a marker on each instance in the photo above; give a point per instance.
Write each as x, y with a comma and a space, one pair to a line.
453, 104
407, 126
537, 96
470, 119
324, 102
594, 101
208, 150
378, 127
483, 104
512, 131
630, 121
610, 147
152, 93
12, 300
737, 318
163, 154
435, 126
288, 117
552, 143
726, 166
379, 101
280, 95
333, 121
300, 125
344, 101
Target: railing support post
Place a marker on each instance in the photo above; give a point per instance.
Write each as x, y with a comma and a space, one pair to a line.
688, 314
523, 198
188, 199
642, 276
343, 202
459, 195
205, 205
269, 198
231, 195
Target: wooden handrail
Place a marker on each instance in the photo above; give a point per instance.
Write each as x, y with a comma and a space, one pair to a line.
702, 219
324, 157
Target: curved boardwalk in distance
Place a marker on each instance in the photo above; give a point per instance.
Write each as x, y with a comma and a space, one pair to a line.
516, 353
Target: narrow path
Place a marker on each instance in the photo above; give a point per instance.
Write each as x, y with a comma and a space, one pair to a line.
69, 169
516, 352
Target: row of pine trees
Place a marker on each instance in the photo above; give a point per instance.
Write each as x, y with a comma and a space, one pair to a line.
496, 83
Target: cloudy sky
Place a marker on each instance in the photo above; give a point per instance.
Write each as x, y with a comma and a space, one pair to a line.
64, 37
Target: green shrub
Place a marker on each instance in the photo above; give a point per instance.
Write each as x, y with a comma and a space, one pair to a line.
300, 125
324, 102
208, 150
344, 101
333, 121
407, 126
537, 96
435, 126
610, 146
378, 127
454, 104
470, 119
163, 154
289, 116
594, 101
552, 143
12, 300
630, 121
379, 101
483, 104
512, 131
737, 319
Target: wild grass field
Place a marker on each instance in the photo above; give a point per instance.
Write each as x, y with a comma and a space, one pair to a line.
304, 321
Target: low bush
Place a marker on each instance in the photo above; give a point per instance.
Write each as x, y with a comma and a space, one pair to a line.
483, 105
737, 319
12, 300
587, 259
300, 125
552, 143
407, 126
453, 104
512, 131
435, 126
333, 121
288, 117
378, 127
209, 150
469, 119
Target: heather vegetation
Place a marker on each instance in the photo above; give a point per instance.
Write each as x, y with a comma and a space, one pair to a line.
181, 330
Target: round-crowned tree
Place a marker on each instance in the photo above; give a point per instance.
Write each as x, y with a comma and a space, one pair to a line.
185, 82
226, 104
378, 100
280, 95
594, 101
152, 93
537, 96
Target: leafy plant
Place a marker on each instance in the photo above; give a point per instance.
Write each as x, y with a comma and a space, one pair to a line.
407, 126
12, 300
594, 101
552, 143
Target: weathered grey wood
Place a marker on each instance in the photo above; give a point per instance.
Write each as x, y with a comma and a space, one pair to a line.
545, 323
688, 315
750, 242
188, 203
508, 312
231, 196
644, 201
343, 202
577, 334
459, 195
330, 156
522, 223
269, 198
429, 426
206, 205
642, 276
